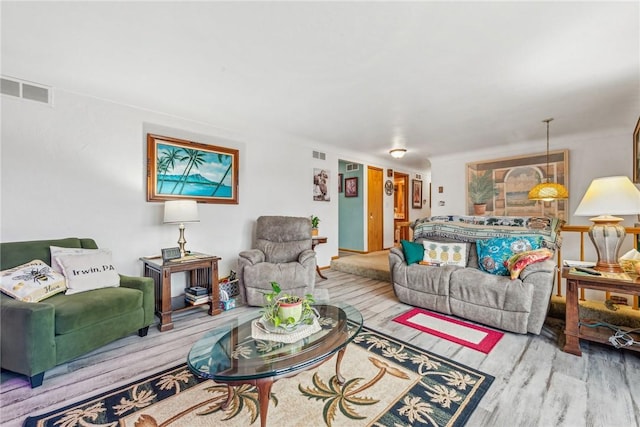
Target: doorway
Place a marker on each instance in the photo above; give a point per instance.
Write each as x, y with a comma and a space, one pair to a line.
375, 219
400, 205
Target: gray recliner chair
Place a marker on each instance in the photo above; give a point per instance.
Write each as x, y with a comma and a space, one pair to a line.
282, 254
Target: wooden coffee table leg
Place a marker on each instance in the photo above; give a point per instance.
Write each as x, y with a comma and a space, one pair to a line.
264, 395
338, 361
229, 396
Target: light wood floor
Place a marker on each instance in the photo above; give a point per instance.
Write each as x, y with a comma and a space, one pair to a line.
536, 383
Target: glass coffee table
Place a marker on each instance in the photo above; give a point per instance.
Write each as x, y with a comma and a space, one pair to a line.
230, 355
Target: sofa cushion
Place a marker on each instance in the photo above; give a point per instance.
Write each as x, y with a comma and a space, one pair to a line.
454, 253
517, 262
85, 309
89, 271
492, 253
489, 291
58, 251
413, 252
32, 282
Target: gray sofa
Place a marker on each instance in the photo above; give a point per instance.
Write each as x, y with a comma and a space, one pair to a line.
282, 254
518, 305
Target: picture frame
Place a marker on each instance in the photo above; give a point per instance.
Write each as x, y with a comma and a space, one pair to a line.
321, 185
351, 187
180, 169
512, 178
416, 194
340, 179
636, 153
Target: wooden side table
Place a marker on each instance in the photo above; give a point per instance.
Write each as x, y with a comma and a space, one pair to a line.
315, 241
574, 331
203, 271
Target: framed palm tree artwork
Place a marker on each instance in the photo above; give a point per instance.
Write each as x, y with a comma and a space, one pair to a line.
180, 169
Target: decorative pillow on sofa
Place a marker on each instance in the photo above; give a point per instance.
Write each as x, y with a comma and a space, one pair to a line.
57, 251
32, 282
454, 253
519, 261
413, 252
90, 271
492, 253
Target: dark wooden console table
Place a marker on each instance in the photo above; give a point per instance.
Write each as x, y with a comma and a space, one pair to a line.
203, 271
574, 330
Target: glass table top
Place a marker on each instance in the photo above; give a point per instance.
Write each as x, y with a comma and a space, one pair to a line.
230, 353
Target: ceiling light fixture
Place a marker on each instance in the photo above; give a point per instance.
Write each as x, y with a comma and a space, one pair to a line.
398, 153
547, 190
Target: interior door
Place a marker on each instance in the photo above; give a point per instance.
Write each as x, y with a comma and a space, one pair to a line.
374, 209
400, 206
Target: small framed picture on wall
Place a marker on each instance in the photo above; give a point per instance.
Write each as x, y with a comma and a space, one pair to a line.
340, 179
416, 191
351, 187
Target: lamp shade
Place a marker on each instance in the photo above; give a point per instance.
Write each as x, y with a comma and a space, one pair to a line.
548, 191
612, 195
179, 211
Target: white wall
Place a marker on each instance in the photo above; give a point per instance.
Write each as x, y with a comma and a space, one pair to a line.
78, 169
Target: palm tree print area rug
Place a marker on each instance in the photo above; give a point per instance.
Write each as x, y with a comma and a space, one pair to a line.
388, 383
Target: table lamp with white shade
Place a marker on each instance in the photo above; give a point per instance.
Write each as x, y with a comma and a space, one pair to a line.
605, 197
179, 212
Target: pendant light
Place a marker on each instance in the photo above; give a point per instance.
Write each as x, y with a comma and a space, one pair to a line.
547, 190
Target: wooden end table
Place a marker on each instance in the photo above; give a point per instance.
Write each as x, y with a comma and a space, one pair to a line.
574, 330
203, 271
315, 241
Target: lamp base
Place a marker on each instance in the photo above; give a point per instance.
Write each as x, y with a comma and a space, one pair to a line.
181, 241
607, 237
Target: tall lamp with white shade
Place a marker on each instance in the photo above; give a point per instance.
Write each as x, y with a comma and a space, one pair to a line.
179, 212
605, 197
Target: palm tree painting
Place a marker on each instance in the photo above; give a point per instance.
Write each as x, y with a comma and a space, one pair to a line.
179, 168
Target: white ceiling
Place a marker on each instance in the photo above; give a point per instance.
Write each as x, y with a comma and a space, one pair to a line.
434, 77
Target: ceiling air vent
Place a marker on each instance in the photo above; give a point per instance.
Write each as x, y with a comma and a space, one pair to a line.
25, 90
353, 167
319, 155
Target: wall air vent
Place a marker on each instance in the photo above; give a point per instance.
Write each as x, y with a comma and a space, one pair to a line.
26, 90
319, 155
353, 167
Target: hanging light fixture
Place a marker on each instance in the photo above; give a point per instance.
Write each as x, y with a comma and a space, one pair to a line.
398, 153
547, 190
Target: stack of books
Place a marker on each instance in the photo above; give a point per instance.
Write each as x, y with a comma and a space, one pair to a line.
197, 295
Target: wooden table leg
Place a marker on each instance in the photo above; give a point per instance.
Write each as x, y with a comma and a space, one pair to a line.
229, 397
338, 361
572, 320
264, 395
320, 274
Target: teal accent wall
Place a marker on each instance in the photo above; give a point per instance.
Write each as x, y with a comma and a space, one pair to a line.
351, 212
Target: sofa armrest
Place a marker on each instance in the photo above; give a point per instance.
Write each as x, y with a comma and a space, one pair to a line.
27, 336
541, 276
307, 258
146, 286
253, 256
396, 256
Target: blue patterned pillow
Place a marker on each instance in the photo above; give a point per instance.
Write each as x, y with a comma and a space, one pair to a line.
492, 253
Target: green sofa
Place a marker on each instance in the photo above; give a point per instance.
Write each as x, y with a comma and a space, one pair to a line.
38, 336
